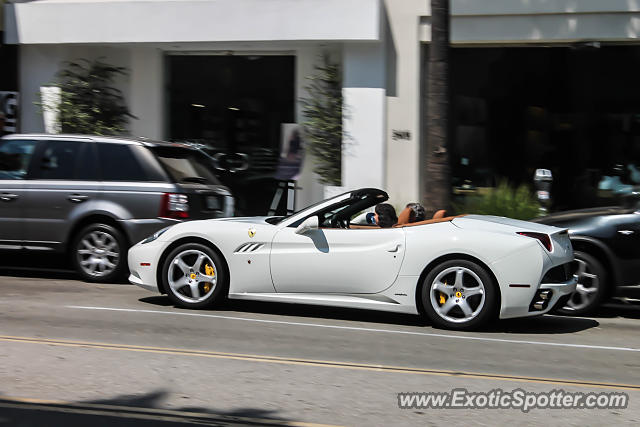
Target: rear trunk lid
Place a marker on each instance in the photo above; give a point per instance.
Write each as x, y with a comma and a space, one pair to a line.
559, 237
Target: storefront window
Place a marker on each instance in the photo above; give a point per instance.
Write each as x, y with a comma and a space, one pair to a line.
235, 107
574, 110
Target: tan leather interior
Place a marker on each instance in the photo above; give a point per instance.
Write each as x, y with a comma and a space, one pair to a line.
428, 221
439, 214
411, 224
362, 227
404, 216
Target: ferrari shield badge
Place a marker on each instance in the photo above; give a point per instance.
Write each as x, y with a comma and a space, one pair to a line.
252, 232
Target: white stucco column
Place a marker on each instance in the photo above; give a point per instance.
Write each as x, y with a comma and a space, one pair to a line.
310, 190
403, 101
146, 94
364, 116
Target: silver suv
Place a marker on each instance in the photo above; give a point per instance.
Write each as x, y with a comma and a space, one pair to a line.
93, 197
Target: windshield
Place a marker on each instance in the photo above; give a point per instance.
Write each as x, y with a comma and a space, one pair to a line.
186, 165
306, 208
357, 201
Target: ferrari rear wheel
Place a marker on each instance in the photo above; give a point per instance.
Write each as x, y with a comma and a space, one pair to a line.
194, 276
459, 294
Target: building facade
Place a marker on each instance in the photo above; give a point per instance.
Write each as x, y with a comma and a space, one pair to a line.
8, 82
535, 84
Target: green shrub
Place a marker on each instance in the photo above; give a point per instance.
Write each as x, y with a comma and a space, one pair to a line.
504, 200
89, 103
323, 123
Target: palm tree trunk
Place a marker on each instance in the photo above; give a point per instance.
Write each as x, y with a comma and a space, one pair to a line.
437, 188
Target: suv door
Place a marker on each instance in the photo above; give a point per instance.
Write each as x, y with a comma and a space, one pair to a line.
15, 158
64, 181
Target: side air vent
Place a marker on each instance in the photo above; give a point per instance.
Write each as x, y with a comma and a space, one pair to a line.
249, 247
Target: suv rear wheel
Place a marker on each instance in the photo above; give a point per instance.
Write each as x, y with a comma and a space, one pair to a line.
99, 253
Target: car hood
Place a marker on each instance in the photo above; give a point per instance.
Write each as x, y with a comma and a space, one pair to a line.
246, 219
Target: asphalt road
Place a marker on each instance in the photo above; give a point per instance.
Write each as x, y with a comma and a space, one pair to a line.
73, 353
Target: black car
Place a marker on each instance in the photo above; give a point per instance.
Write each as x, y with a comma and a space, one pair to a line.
606, 243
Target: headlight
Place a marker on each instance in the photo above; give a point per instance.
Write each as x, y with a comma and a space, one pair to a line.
155, 235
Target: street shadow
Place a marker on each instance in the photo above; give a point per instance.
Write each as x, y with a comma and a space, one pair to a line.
159, 300
40, 266
543, 325
530, 325
615, 309
128, 410
301, 310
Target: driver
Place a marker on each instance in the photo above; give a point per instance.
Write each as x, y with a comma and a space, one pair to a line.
385, 215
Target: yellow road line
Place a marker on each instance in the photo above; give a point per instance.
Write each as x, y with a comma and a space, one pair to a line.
317, 363
142, 413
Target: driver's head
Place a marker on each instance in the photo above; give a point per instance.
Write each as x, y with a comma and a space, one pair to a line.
385, 215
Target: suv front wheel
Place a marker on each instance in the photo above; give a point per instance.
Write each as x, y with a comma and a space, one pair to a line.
99, 253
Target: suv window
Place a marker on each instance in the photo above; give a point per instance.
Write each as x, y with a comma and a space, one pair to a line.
68, 160
186, 165
15, 156
119, 163
88, 168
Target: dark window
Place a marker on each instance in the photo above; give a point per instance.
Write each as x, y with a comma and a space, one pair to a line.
119, 163
186, 165
88, 168
152, 167
15, 156
58, 160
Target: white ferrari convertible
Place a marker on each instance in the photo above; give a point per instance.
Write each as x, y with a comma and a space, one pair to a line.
457, 271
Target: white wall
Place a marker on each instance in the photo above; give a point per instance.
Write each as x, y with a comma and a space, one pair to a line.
152, 21
146, 92
403, 101
364, 111
38, 65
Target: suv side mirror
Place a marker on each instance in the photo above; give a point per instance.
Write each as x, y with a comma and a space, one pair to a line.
307, 225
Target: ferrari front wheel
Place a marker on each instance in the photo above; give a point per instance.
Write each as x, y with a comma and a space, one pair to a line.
459, 294
194, 276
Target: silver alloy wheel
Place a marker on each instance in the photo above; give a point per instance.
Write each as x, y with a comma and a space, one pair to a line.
188, 276
586, 289
465, 297
98, 253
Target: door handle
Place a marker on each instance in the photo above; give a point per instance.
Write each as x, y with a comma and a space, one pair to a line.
394, 249
625, 232
7, 197
77, 198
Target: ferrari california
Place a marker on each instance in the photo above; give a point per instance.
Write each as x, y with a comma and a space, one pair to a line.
459, 272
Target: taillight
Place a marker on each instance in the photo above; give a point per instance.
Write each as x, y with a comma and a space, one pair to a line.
174, 206
544, 238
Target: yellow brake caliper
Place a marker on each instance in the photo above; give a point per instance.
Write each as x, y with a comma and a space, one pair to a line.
209, 271
442, 298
